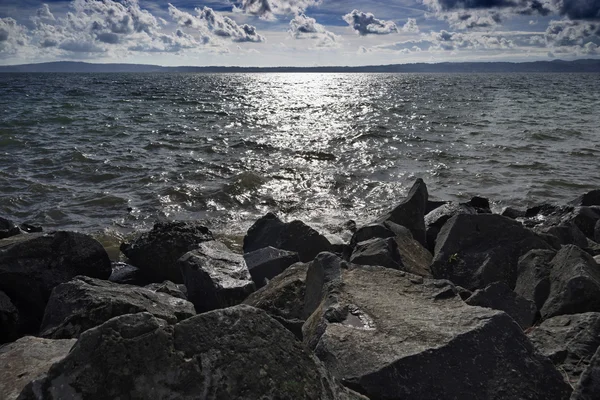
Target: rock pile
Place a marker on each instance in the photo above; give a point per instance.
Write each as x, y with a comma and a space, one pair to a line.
432, 300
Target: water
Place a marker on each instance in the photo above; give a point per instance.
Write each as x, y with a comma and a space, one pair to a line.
111, 153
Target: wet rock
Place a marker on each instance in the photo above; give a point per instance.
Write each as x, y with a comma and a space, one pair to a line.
591, 198
569, 341
389, 336
382, 252
157, 251
32, 265
369, 232
294, 236
513, 213
215, 277
499, 297
589, 384
533, 282
475, 250
283, 298
574, 283
266, 263
29, 228
168, 287
438, 217
235, 353
411, 212
27, 359
127, 274
9, 319
8, 228
84, 303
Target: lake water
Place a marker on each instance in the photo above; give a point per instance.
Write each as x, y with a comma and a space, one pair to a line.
112, 153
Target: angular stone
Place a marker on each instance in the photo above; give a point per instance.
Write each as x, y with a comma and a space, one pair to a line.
574, 283
27, 359
475, 250
266, 263
32, 265
9, 319
369, 232
480, 204
416, 258
499, 297
295, 236
591, 198
283, 298
438, 217
533, 281
597, 232
411, 212
156, 252
235, 353
566, 233
389, 336
127, 274
325, 270
585, 218
588, 386
382, 252
168, 287
215, 277
569, 341
84, 303
513, 213
8, 228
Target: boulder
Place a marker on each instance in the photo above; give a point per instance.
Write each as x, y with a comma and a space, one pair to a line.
8, 228
283, 298
411, 212
597, 232
585, 218
29, 228
127, 274
27, 359
369, 232
416, 258
84, 303
32, 265
475, 250
387, 335
168, 287
574, 283
565, 233
591, 198
569, 341
215, 277
480, 204
513, 213
588, 386
266, 263
438, 217
236, 353
294, 236
9, 319
533, 281
499, 297
156, 252
383, 252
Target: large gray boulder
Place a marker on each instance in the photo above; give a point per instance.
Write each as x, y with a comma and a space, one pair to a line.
597, 232
32, 265
574, 283
83, 303
235, 353
533, 280
411, 212
8, 228
215, 277
266, 263
294, 236
435, 220
591, 198
475, 250
569, 341
9, 319
392, 335
377, 251
156, 252
499, 297
27, 359
588, 387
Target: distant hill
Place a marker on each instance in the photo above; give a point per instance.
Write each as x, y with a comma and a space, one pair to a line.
466, 67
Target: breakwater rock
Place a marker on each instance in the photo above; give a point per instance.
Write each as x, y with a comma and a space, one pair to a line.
432, 300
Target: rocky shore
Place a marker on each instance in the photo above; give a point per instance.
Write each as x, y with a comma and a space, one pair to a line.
433, 300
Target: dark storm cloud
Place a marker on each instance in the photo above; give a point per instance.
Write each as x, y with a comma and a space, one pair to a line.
580, 9
367, 24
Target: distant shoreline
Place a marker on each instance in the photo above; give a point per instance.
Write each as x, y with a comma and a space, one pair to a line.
556, 66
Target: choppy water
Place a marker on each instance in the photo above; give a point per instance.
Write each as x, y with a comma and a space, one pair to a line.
115, 152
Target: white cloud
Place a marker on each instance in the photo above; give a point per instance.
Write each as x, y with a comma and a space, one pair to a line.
303, 27
367, 24
13, 36
411, 26
268, 9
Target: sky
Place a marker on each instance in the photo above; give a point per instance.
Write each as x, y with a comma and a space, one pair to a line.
297, 32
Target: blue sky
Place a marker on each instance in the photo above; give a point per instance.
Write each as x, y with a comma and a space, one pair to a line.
297, 32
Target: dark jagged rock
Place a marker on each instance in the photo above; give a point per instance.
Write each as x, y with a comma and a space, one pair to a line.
8, 228
215, 277
411, 212
31, 228
463, 293
475, 250
480, 204
415, 258
390, 336
325, 270
546, 210
382, 252
157, 251
127, 274
27, 359
283, 298
585, 219
433, 204
32, 265
499, 297
266, 263
84, 303
574, 283
597, 232
9, 319
236, 353
533, 281
369, 232
591, 198
168, 287
295, 236
566, 233
588, 386
438, 217
513, 213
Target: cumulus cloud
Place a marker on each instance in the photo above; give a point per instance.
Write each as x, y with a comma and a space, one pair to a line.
303, 27
572, 34
12, 36
367, 24
411, 26
268, 9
